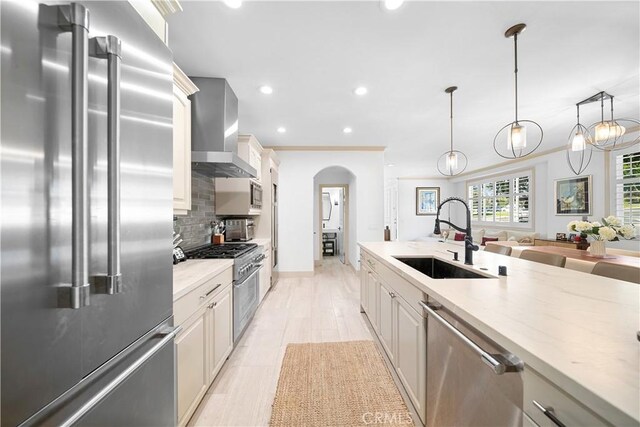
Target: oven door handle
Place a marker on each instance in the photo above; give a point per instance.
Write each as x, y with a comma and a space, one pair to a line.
253, 273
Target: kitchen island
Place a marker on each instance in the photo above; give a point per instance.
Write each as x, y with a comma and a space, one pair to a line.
575, 332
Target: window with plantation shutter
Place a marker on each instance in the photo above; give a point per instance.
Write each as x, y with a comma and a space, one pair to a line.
504, 200
628, 188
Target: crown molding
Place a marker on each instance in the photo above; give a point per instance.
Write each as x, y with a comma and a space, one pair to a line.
182, 81
167, 7
327, 148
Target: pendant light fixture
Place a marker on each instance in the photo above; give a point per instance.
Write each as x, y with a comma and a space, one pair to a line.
579, 146
518, 143
611, 135
453, 162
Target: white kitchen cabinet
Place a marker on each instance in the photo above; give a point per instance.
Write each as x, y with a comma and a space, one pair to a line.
191, 355
205, 341
220, 323
399, 327
387, 314
182, 88
250, 150
264, 280
411, 353
570, 412
373, 290
364, 295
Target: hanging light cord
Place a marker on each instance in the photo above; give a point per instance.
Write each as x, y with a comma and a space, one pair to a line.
602, 107
515, 50
611, 98
451, 121
578, 112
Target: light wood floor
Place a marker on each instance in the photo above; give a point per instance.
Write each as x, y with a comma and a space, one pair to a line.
323, 308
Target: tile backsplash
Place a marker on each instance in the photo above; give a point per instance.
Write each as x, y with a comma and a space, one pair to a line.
195, 227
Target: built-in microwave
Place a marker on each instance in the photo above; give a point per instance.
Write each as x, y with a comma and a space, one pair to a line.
255, 190
238, 196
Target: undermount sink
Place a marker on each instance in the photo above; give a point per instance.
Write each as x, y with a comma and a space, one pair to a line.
438, 269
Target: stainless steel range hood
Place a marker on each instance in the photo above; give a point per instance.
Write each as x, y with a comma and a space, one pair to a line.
214, 131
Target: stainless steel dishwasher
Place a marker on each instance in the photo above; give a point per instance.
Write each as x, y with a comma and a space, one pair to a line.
471, 381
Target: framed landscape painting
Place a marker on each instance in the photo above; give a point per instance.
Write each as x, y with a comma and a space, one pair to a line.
427, 200
573, 196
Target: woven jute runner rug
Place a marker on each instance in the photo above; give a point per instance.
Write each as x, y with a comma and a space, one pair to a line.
337, 384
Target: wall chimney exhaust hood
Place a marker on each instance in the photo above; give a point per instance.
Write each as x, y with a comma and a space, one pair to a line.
214, 131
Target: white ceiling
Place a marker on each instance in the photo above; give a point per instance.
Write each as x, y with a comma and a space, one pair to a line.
314, 54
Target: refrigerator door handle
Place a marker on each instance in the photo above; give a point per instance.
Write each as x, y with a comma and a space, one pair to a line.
168, 335
109, 48
74, 17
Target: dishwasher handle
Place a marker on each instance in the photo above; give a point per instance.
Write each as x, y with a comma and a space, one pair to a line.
498, 363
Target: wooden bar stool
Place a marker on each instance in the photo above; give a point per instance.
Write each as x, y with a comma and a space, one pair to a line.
544, 258
617, 271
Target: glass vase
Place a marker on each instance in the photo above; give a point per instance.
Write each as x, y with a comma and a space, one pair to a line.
598, 248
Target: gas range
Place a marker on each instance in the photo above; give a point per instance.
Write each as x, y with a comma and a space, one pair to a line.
247, 261
246, 257
225, 250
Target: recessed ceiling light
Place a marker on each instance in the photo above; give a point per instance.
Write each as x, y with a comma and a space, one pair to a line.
267, 90
233, 4
282, 129
391, 165
361, 90
392, 4
347, 130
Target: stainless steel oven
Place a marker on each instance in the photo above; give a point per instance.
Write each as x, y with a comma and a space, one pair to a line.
255, 191
245, 290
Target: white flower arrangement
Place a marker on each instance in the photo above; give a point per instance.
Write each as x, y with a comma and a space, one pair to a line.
610, 229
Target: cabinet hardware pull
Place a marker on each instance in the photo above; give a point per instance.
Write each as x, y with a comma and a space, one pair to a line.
74, 18
209, 293
392, 294
211, 305
548, 412
498, 367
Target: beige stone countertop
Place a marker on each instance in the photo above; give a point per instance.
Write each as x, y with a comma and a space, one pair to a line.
576, 329
191, 273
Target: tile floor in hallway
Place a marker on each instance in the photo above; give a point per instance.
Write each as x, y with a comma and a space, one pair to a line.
322, 308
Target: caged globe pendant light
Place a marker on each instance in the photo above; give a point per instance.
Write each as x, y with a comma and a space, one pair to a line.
611, 135
516, 145
579, 146
453, 162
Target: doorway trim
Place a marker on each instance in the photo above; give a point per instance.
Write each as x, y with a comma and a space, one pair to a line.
345, 207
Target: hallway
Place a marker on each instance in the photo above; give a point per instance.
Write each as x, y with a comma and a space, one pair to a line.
323, 308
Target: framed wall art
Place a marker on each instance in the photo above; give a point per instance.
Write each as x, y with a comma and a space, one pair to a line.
427, 200
573, 196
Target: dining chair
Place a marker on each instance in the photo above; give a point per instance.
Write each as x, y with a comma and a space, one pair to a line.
627, 273
544, 258
498, 249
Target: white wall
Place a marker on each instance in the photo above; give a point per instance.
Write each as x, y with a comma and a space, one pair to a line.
296, 204
547, 169
410, 225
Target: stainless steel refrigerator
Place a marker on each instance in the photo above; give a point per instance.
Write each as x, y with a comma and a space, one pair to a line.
86, 169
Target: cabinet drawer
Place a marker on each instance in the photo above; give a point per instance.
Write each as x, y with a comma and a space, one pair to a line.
568, 410
184, 307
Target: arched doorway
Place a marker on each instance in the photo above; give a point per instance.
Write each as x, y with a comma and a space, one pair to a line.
334, 215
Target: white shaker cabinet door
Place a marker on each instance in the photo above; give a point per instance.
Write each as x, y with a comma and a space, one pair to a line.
191, 357
386, 327
221, 315
411, 353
